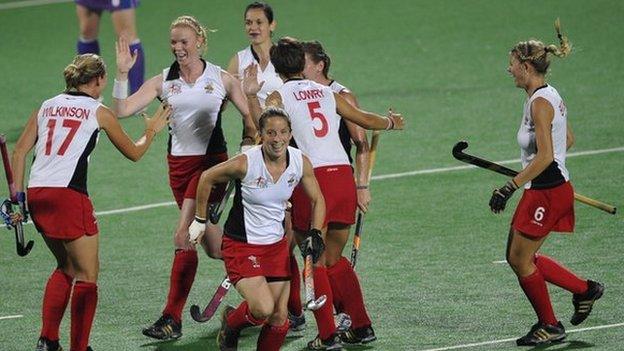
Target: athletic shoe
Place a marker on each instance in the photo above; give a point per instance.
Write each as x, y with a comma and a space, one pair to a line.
342, 321
165, 328
542, 334
362, 335
332, 343
583, 303
43, 344
89, 348
296, 323
227, 338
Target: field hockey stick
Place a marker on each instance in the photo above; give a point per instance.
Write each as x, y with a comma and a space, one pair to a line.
308, 277
213, 305
357, 237
7, 206
215, 212
479, 162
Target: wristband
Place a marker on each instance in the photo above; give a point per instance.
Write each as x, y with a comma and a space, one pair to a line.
362, 187
390, 123
200, 220
120, 89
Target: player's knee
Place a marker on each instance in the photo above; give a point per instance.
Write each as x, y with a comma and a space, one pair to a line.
262, 309
87, 274
278, 317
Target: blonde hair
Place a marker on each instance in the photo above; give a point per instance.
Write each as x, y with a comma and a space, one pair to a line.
536, 53
82, 70
193, 24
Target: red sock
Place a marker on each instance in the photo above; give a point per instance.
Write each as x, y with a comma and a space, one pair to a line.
348, 293
182, 277
272, 337
559, 275
294, 299
242, 318
325, 315
55, 299
83, 304
534, 287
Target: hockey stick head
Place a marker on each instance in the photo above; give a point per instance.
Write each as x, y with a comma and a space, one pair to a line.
314, 305
459, 147
197, 315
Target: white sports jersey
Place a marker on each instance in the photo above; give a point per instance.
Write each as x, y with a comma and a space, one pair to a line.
257, 214
556, 173
315, 122
336, 87
196, 108
67, 132
271, 79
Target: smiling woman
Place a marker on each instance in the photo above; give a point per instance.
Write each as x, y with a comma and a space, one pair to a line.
255, 248
197, 90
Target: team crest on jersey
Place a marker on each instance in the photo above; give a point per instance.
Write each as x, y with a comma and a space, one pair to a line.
291, 181
174, 88
254, 261
209, 88
261, 182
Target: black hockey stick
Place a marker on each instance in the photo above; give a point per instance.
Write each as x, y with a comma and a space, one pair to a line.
458, 153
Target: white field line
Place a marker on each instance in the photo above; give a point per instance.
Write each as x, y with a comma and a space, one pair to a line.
29, 3
11, 317
379, 177
500, 341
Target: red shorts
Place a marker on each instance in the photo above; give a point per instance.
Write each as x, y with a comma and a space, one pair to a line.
61, 213
244, 260
338, 188
184, 173
541, 211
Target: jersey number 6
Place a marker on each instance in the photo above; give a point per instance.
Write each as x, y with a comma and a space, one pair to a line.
67, 123
312, 106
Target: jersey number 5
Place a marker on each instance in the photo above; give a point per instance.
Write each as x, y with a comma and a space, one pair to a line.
73, 126
312, 107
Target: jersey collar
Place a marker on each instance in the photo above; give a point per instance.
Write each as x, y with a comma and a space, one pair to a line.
174, 70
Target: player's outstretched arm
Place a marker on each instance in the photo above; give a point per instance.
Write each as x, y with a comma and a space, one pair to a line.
367, 120
235, 94
133, 150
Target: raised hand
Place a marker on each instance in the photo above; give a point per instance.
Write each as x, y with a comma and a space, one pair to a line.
160, 118
251, 86
125, 58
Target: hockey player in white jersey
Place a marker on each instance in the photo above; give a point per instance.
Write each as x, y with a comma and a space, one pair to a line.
64, 132
315, 112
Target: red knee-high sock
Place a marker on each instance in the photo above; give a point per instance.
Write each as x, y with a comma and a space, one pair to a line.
535, 289
325, 315
242, 318
83, 304
55, 300
272, 337
559, 275
294, 299
348, 293
182, 278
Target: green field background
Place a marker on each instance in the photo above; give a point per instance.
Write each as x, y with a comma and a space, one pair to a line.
429, 244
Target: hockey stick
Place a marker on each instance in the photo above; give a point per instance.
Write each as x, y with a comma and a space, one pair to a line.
214, 303
308, 277
196, 313
7, 206
215, 212
479, 162
357, 237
